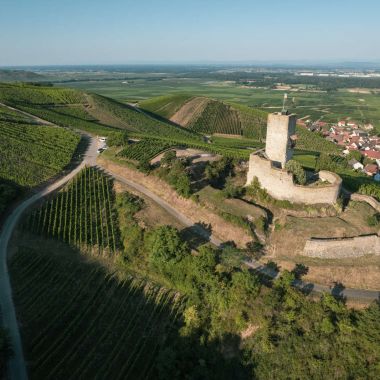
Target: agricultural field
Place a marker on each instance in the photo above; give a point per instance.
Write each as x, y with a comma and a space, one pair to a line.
303, 100
82, 214
30, 154
217, 117
144, 150
116, 323
165, 106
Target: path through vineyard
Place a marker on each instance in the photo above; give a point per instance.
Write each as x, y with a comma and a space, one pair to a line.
16, 368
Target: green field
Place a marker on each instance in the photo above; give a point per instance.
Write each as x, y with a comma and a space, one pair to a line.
144, 150
318, 104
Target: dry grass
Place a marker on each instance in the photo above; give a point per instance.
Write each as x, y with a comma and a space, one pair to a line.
288, 240
221, 229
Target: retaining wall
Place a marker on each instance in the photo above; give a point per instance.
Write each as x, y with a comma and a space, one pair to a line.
343, 248
280, 185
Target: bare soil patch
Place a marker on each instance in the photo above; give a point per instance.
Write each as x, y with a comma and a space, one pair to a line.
189, 111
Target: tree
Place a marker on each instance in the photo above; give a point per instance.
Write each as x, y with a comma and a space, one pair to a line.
168, 158
297, 170
354, 154
230, 190
165, 245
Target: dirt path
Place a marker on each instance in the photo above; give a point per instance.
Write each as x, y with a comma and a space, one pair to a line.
186, 210
190, 110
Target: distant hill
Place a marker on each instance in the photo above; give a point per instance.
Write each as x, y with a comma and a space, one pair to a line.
19, 76
206, 115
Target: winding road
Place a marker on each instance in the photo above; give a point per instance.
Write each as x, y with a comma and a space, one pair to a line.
17, 368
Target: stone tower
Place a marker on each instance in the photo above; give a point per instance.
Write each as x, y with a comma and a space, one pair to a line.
280, 138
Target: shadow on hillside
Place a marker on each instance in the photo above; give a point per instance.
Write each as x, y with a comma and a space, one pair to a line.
119, 326
197, 234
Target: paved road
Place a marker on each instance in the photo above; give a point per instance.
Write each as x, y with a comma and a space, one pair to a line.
17, 368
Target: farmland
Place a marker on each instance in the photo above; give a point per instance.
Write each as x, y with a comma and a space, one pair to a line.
82, 214
329, 106
30, 154
144, 150
116, 323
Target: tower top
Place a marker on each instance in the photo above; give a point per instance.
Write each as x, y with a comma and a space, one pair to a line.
284, 110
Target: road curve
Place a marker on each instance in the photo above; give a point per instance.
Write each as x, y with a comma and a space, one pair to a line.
16, 366
349, 293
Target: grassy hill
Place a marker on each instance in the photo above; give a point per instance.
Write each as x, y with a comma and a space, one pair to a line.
206, 115
19, 76
90, 112
209, 116
165, 106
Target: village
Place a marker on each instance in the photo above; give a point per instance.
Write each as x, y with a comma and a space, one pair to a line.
352, 137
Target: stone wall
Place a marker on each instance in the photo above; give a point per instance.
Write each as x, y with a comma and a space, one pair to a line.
278, 145
280, 185
366, 198
343, 248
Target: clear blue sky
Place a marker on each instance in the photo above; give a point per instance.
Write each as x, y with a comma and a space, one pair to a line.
37, 32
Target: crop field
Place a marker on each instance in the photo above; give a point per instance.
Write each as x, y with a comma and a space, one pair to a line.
30, 154
165, 106
144, 150
82, 214
217, 117
305, 102
81, 321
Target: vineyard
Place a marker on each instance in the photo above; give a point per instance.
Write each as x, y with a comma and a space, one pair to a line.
144, 150
165, 106
78, 321
253, 121
82, 214
29, 94
217, 117
313, 141
30, 154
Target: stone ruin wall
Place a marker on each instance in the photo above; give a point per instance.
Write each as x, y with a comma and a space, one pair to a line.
343, 248
280, 185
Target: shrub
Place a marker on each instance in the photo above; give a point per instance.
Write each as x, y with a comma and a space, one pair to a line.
297, 170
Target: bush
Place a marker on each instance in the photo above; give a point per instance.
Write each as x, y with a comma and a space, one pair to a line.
371, 189
230, 190
373, 220
297, 170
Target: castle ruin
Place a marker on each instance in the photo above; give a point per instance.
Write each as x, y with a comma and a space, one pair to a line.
269, 166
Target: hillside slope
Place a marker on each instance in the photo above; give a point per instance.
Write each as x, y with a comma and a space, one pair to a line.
209, 116
89, 112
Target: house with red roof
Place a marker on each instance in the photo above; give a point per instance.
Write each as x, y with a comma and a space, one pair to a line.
371, 169
374, 154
